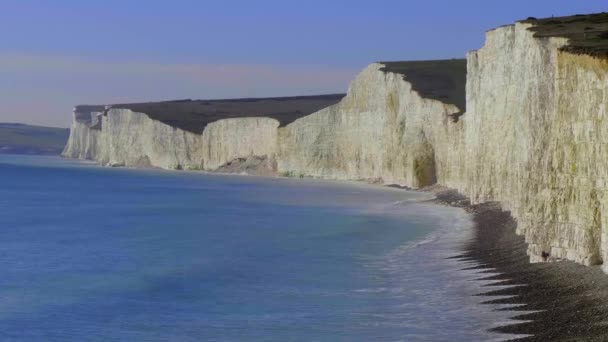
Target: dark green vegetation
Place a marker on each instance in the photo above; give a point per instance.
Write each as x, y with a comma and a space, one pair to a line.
443, 80
587, 33
87, 108
26, 139
194, 115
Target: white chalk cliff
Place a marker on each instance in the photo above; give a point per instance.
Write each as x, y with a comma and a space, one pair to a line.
534, 138
382, 130
533, 141
127, 138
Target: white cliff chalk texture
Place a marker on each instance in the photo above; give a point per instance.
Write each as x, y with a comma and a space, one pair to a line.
132, 139
533, 141
382, 130
193, 135
534, 137
125, 138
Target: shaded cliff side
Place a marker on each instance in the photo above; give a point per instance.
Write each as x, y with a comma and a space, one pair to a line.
534, 140
384, 129
533, 136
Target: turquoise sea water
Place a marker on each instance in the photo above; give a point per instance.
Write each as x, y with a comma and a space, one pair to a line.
98, 254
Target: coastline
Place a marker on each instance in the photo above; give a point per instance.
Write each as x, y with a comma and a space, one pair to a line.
554, 301
400, 286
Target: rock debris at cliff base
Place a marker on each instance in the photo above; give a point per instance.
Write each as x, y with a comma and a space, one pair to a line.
557, 301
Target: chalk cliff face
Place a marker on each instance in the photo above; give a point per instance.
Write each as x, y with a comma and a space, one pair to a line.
533, 141
577, 163
534, 137
234, 135
121, 137
227, 140
84, 134
511, 105
382, 130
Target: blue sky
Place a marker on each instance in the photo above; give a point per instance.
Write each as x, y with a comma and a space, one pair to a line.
55, 54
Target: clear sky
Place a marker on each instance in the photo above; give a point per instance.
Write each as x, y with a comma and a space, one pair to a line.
56, 54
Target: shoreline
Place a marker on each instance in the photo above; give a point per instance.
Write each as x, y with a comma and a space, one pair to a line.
553, 301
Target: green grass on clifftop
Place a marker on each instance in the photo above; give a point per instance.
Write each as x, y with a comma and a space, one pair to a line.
443, 80
26, 139
194, 115
587, 33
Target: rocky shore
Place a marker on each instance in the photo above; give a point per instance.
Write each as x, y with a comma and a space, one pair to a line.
557, 300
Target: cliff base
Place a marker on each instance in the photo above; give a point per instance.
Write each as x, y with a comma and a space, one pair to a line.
555, 301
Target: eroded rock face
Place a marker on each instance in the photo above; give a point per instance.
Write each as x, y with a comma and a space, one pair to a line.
534, 140
382, 129
84, 135
511, 103
228, 140
127, 138
577, 162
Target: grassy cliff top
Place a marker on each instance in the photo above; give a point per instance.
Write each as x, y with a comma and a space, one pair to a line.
20, 138
194, 115
443, 80
587, 33
88, 109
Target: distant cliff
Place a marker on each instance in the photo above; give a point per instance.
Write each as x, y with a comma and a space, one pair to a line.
27, 139
194, 135
530, 132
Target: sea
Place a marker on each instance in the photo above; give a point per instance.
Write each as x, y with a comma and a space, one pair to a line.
89, 253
